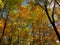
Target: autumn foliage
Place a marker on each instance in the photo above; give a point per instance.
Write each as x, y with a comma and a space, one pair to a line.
27, 24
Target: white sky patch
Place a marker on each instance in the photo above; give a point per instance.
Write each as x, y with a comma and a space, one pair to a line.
57, 41
24, 3
55, 17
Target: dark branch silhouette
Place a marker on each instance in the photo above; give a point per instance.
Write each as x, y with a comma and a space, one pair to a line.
4, 24
57, 2
39, 4
52, 22
53, 11
4, 29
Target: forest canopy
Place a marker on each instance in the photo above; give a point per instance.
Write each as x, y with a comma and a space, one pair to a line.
29, 22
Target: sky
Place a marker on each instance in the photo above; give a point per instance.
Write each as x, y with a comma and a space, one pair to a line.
25, 2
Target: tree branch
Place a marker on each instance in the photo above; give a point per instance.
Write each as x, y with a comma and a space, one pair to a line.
55, 29
4, 23
4, 29
39, 4
53, 12
46, 10
57, 2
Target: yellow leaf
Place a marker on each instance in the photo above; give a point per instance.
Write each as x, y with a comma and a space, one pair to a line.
1, 4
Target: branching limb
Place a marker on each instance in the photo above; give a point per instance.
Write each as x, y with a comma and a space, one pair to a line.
57, 2
55, 29
53, 12
46, 10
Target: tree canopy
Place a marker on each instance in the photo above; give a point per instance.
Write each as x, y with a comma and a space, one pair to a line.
29, 22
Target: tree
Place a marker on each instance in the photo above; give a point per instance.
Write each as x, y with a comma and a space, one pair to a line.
28, 24
52, 15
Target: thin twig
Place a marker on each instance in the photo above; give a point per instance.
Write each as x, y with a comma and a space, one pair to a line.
39, 4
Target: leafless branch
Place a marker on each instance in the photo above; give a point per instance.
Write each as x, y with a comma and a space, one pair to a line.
53, 13
57, 2
39, 4
46, 10
55, 29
